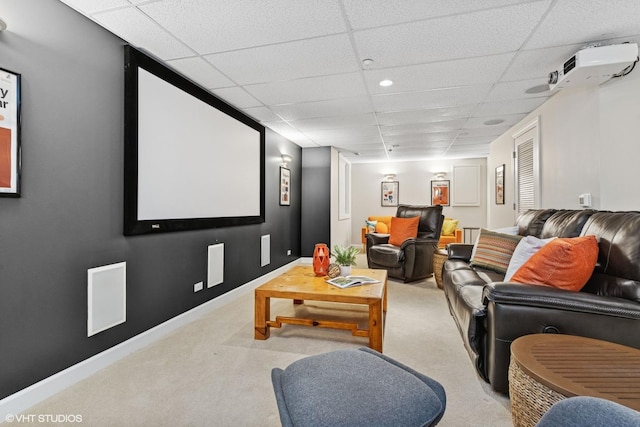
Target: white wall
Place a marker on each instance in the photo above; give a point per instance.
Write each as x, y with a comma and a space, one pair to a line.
588, 144
340, 227
414, 188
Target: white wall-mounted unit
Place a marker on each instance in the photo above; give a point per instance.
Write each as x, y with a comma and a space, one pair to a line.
594, 65
215, 264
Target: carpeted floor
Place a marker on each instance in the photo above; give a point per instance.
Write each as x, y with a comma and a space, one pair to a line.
213, 373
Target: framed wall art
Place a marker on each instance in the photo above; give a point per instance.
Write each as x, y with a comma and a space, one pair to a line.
389, 193
10, 150
500, 185
440, 192
285, 186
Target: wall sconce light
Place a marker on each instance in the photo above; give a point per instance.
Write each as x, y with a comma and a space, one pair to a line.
286, 159
3, 25
439, 175
389, 176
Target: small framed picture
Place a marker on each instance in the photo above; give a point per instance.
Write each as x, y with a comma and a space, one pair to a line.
500, 185
285, 186
440, 192
10, 150
389, 193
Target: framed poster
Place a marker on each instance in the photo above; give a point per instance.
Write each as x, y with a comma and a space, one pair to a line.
285, 186
500, 185
10, 150
389, 193
440, 192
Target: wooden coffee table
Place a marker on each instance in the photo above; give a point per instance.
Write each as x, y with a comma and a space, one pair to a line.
547, 368
300, 283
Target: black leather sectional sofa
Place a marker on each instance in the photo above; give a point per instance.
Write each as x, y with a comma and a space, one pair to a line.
491, 314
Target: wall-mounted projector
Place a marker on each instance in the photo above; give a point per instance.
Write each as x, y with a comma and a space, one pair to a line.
594, 65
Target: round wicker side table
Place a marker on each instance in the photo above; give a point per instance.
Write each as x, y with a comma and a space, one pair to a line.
547, 368
439, 257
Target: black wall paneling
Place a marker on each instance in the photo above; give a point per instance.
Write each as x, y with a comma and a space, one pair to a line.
69, 218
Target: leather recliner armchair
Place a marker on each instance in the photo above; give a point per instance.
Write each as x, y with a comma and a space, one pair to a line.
413, 260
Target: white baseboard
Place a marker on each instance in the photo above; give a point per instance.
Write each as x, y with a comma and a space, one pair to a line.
36, 393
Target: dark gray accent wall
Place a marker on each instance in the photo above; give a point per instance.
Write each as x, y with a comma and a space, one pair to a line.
316, 199
69, 218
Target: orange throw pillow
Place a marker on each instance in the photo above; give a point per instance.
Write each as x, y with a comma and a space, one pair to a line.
403, 229
565, 263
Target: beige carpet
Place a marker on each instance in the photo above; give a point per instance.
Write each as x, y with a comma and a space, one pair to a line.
213, 373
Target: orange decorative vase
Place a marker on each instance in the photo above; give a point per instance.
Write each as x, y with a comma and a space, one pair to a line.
321, 258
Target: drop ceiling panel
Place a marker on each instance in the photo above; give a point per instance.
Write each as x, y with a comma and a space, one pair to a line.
451, 37
94, 6
440, 74
133, 26
296, 65
581, 21
240, 24
425, 116
309, 89
332, 107
335, 122
509, 107
288, 61
199, 70
430, 99
237, 97
375, 13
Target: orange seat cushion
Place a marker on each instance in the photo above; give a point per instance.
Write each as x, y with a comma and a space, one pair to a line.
565, 263
403, 229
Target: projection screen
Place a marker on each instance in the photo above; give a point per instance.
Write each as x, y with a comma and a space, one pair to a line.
191, 160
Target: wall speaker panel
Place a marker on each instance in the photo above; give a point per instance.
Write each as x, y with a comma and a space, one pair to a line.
265, 250
215, 265
106, 297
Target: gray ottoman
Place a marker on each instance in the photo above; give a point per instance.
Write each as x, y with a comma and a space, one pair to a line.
356, 388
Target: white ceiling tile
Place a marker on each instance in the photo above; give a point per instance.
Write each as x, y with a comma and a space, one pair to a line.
420, 138
200, 71
335, 122
516, 90
288, 61
474, 34
439, 74
582, 21
425, 116
91, 6
245, 23
509, 120
437, 98
347, 135
262, 114
432, 127
508, 107
237, 97
375, 13
140, 31
329, 108
309, 89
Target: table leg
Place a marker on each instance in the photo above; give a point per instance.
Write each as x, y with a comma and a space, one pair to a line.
375, 325
262, 316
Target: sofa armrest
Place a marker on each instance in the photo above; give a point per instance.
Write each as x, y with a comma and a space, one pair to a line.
460, 251
549, 297
514, 310
377, 238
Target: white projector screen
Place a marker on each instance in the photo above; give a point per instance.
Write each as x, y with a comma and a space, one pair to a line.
191, 160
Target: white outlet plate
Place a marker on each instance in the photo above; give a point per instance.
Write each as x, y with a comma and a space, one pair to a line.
288, 251
198, 286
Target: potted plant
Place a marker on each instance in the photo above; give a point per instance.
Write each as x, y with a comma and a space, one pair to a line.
345, 257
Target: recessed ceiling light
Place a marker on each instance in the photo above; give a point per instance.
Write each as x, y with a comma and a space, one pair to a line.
538, 89
385, 83
493, 122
